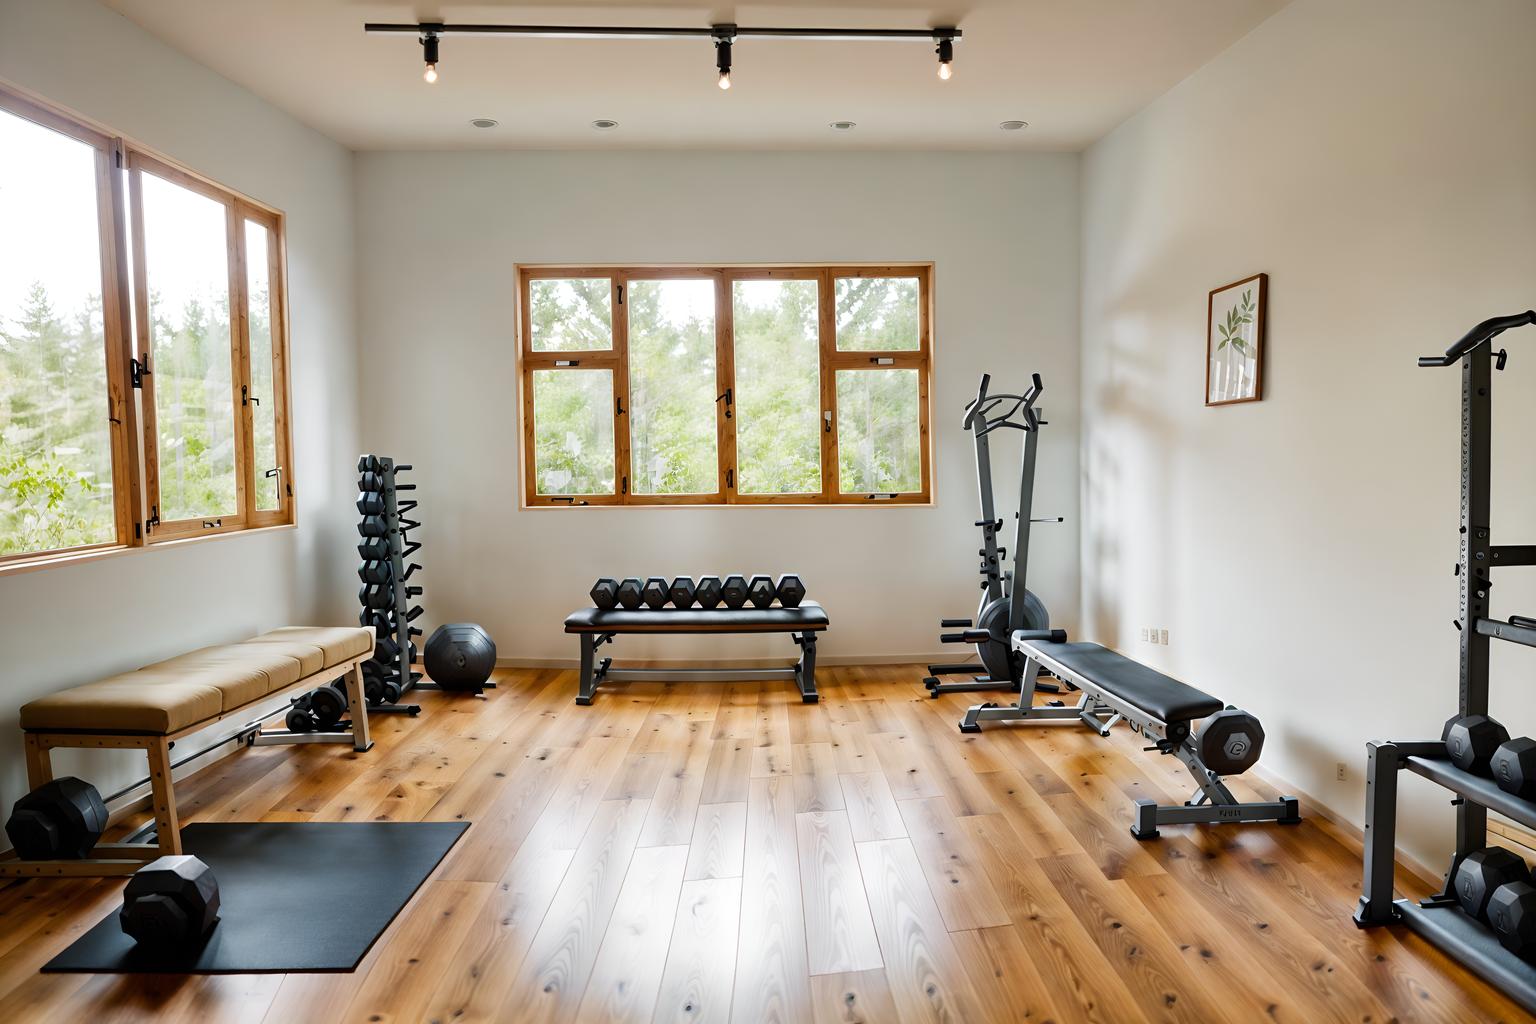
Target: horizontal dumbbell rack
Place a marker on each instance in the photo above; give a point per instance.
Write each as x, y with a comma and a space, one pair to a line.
1439, 918
389, 674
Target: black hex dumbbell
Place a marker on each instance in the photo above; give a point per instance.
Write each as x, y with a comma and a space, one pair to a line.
734, 591
682, 592
1471, 742
760, 591
629, 593
171, 902
61, 819
707, 592
370, 503
1480, 874
655, 592
1514, 767
1512, 913
605, 593
790, 590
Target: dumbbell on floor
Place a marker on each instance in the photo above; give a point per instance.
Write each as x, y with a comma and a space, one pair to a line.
61, 819
170, 902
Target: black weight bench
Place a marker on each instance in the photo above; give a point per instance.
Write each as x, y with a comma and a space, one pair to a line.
1116, 689
598, 626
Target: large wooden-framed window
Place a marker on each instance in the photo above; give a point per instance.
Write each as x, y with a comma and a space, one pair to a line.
143, 347
664, 385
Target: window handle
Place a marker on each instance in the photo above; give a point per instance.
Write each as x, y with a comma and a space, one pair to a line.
730, 477
618, 405
245, 396
728, 400
826, 418
210, 524
567, 362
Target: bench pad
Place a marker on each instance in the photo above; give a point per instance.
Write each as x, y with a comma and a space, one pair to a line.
809, 617
172, 695
1160, 696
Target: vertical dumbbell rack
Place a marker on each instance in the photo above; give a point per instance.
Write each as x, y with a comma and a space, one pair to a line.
1438, 918
389, 675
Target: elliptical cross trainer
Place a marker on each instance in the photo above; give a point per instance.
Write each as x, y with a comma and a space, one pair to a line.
1006, 604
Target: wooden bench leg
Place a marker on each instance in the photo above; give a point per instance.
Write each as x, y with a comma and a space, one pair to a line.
39, 762
163, 796
357, 703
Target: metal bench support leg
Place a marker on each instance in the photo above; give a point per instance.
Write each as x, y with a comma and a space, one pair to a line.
587, 683
805, 673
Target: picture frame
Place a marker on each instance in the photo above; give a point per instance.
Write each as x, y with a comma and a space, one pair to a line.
1234, 341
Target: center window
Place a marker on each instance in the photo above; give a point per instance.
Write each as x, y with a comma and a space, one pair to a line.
725, 385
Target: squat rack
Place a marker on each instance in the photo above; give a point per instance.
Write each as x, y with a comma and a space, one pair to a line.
1438, 918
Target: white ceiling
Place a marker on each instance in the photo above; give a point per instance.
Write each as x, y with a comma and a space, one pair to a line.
1072, 68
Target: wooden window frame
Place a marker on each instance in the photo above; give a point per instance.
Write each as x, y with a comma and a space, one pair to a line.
830, 361
130, 409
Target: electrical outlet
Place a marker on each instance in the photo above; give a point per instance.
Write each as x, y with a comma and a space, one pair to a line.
1163, 637
1339, 772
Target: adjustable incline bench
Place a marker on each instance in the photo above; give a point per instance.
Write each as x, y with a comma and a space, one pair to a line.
1161, 708
598, 626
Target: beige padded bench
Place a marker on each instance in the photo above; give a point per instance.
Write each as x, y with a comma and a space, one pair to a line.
150, 709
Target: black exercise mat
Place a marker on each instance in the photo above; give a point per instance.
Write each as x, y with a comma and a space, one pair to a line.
294, 896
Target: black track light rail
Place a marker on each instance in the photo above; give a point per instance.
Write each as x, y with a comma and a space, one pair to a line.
429, 28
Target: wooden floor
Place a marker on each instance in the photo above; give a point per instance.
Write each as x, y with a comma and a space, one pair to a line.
711, 852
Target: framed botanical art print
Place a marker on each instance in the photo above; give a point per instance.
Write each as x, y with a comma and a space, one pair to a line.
1234, 342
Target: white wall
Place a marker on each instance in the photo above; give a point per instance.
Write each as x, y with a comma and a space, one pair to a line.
62, 626
438, 235
1377, 159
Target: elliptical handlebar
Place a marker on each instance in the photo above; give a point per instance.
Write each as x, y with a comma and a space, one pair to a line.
1483, 332
984, 406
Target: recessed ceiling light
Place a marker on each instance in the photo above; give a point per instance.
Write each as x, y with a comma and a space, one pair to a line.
604, 124
842, 126
1013, 126
484, 122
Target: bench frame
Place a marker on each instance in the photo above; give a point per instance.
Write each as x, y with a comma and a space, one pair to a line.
595, 672
126, 858
1101, 709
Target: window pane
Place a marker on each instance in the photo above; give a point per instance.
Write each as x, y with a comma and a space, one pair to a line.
877, 314
778, 387
263, 377
573, 431
672, 435
571, 314
879, 437
186, 261
55, 442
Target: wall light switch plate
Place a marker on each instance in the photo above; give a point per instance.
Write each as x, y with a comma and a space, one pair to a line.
1144, 634
1163, 637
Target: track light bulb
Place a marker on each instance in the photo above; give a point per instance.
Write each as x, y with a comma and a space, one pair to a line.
946, 52
429, 54
723, 61
945, 72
